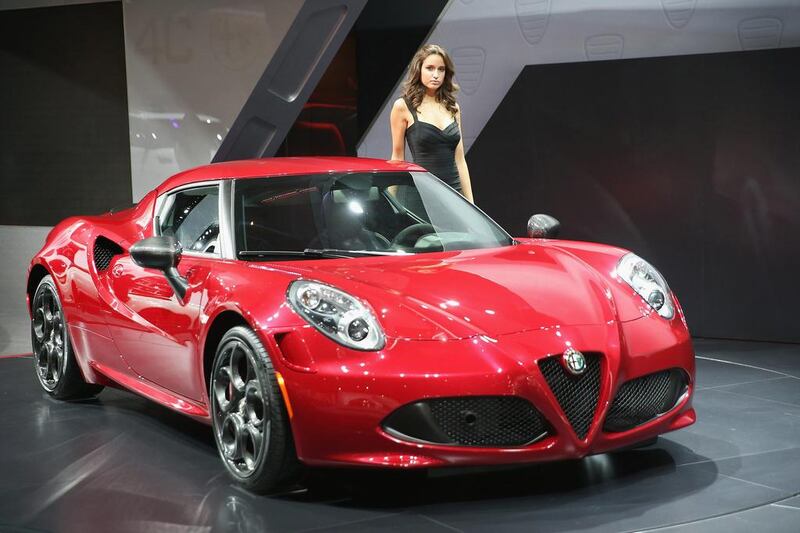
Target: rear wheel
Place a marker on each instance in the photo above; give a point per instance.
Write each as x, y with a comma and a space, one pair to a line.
54, 361
248, 416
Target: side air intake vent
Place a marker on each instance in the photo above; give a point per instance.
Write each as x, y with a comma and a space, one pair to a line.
104, 251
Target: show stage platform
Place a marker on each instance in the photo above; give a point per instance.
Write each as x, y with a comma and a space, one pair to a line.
121, 463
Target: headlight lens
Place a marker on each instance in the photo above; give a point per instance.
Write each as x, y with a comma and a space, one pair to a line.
336, 314
648, 283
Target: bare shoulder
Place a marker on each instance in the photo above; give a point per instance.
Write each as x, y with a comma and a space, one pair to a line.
399, 105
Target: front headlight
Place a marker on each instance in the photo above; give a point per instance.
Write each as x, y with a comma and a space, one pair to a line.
336, 314
647, 282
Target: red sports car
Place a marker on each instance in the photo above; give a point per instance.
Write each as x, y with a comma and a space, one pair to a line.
343, 311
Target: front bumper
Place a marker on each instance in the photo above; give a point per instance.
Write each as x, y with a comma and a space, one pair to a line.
339, 407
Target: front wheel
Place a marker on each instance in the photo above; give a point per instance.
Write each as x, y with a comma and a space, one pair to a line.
54, 360
249, 419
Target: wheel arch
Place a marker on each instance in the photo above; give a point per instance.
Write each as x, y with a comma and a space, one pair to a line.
288, 469
36, 275
221, 323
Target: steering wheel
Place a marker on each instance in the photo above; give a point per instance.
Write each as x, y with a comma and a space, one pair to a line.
409, 236
207, 241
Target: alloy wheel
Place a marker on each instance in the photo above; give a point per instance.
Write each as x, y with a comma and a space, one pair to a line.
49, 338
240, 410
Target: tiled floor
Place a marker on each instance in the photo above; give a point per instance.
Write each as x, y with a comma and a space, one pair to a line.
121, 463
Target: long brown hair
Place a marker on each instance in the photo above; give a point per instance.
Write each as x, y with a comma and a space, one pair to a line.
413, 90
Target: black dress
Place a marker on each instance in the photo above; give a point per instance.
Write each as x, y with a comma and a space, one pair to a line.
435, 149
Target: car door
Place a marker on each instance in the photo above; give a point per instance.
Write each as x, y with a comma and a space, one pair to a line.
157, 332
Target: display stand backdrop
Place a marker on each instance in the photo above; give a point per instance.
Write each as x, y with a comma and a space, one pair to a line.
690, 161
64, 145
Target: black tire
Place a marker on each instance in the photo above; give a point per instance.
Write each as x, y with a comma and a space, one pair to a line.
244, 396
53, 357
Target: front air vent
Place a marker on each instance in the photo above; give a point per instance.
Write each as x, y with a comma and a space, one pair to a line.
577, 395
104, 251
479, 421
643, 399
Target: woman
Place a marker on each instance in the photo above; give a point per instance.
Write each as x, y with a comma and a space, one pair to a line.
429, 119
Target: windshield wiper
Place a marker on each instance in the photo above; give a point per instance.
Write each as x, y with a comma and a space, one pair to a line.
271, 254
329, 253
335, 252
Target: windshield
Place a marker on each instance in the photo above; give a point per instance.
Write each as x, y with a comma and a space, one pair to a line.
389, 212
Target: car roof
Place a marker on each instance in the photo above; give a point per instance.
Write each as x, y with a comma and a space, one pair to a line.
284, 166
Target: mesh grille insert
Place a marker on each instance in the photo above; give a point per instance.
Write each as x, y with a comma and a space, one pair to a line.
497, 421
577, 395
483, 421
642, 399
104, 251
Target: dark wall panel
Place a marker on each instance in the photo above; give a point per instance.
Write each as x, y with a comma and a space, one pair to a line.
64, 142
690, 161
360, 77
388, 35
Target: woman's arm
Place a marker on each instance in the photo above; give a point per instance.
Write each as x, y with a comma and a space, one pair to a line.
461, 162
399, 122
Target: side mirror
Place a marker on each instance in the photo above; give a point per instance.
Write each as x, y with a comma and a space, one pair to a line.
162, 253
543, 227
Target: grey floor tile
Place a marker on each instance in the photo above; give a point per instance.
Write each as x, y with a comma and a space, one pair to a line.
396, 523
779, 470
794, 501
121, 463
773, 356
784, 390
636, 501
771, 518
729, 425
718, 373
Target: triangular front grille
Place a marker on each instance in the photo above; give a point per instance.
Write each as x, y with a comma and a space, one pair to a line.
577, 395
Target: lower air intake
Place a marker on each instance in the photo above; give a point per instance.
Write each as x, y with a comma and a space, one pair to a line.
643, 399
482, 421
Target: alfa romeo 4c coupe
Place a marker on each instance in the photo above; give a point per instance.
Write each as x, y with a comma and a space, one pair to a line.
357, 312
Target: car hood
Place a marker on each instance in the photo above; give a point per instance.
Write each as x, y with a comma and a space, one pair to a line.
476, 292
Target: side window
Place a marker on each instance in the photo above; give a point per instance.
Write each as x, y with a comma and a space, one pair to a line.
192, 217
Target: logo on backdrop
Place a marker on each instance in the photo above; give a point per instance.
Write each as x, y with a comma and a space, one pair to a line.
234, 38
